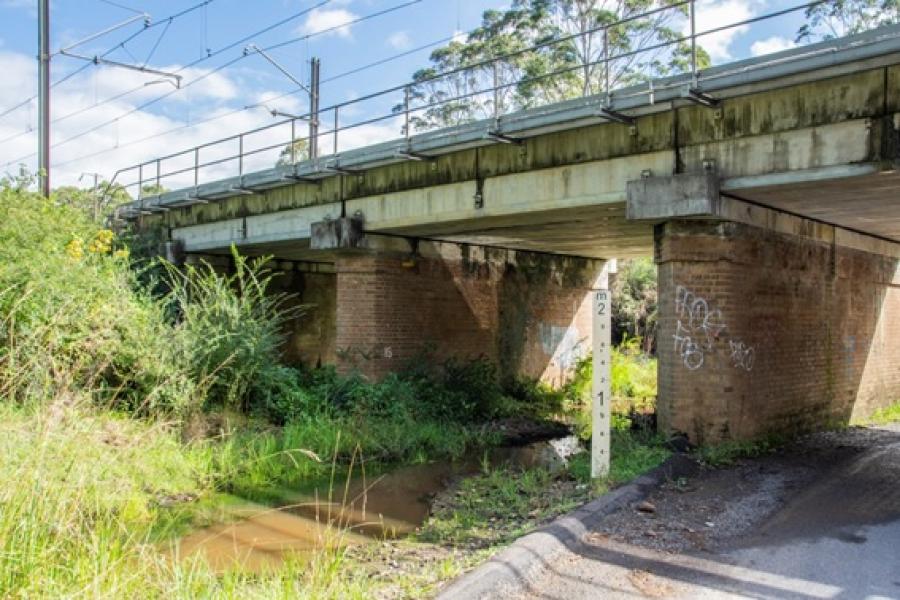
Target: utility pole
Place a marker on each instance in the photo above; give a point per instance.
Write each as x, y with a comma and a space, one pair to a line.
312, 90
314, 108
44, 96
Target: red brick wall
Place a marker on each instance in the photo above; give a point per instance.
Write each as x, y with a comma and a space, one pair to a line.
762, 332
529, 313
310, 337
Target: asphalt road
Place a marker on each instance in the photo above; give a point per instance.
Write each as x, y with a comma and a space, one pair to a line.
820, 520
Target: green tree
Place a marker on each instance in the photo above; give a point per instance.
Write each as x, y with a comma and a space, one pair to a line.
293, 153
95, 203
555, 71
845, 17
634, 303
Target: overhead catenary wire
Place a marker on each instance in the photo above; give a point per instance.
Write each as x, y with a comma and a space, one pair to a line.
266, 101
158, 42
146, 27
209, 54
485, 62
462, 68
122, 6
227, 64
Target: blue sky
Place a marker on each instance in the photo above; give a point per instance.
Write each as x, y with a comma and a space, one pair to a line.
214, 107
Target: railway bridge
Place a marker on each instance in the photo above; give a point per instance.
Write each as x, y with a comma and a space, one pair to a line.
767, 191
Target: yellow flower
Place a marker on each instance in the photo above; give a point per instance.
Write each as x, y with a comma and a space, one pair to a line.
122, 253
102, 242
75, 248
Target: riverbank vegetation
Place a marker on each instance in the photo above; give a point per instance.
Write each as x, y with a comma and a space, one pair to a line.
126, 413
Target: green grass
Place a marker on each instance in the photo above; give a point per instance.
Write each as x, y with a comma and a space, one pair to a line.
631, 454
727, 453
503, 503
258, 461
883, 416
103, 379
80, 492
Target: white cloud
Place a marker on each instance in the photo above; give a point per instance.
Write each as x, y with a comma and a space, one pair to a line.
399, 40
207, 98
120, 144
459, 37
332, 20
718, 13
28, 5
771, 44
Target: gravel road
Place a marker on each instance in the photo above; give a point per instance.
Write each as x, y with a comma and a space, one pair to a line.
819, 519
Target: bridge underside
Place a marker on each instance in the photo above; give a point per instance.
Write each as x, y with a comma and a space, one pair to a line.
774, 218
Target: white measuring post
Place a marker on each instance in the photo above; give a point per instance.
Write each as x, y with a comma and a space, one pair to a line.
601, 387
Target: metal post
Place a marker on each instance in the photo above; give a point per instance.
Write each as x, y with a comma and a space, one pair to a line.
293, 141
314, 108
196, 167
141, 181
693, 10
44, 95
601, 378
406, 111
606, 66
158, 167
496, 94
96, 200
241, 154
336, 125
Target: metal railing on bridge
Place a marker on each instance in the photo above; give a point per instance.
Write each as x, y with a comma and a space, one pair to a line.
402, 112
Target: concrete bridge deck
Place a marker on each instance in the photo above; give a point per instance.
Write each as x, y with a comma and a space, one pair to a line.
823, 117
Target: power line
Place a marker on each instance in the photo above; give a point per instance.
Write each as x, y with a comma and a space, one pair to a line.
158, 41
229, 63
265, 101
122, 6
121, 44
209, 55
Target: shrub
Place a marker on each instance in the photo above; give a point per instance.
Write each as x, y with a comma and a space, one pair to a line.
632, 384
230, 330
72, 319
634, 303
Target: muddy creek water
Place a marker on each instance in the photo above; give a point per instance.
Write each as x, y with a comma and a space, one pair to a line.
389, 505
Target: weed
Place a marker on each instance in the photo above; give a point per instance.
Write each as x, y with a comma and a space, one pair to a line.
230, 329
632, 384
728, 452
631, 454
883, 416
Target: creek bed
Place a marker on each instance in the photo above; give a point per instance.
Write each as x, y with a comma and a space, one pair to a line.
360, 510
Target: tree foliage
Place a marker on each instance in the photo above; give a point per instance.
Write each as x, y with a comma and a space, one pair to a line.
634, 303
293, 153
567, 63
845, 17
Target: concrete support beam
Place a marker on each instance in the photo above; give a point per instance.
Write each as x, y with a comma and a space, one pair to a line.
696, 197
674, 196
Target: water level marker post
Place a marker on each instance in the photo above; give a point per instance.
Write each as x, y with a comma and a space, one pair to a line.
600, 388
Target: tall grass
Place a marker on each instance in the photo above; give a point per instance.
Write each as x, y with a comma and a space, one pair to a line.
82, 515
100, 378
230, 327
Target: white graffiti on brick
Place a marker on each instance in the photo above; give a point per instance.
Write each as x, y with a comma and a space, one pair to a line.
742, 356
697, 330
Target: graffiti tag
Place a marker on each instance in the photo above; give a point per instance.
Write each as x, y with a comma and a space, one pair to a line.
699, 327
